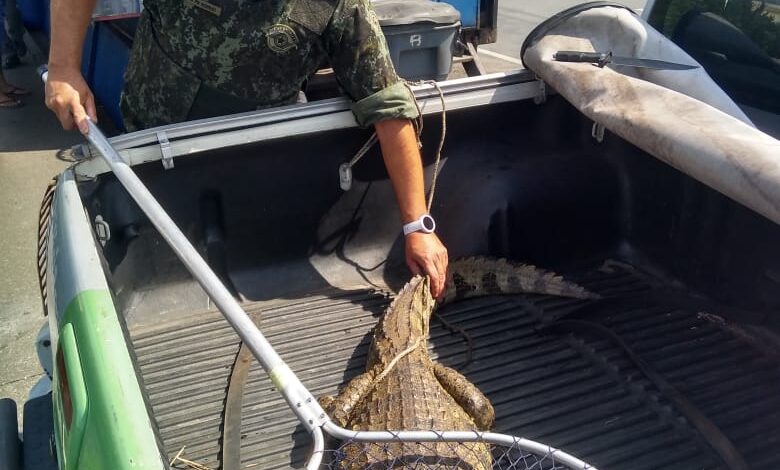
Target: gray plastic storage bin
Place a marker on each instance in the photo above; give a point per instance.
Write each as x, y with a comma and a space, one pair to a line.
420, 35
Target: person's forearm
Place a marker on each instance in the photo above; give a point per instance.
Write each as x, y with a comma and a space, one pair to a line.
69, 21
425, 254
402, 159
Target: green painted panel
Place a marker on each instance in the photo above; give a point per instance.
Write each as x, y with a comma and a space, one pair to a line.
77, 393
114, 427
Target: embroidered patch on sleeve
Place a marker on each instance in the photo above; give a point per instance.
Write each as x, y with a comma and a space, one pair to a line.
281, 38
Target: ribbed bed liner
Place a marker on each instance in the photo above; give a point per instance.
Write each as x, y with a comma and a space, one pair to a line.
568, 387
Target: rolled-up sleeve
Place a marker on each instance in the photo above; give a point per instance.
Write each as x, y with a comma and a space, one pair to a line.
392, 102
359, 56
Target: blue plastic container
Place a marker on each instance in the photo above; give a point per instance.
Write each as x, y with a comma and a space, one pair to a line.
87, 54
47, 17
469, 11
110, 54
33, 13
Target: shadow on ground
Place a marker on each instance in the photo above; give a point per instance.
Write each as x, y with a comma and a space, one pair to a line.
33, 126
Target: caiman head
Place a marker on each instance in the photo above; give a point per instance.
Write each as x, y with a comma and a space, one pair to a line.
405, 323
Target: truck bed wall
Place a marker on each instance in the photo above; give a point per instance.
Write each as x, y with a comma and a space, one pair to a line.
519, 180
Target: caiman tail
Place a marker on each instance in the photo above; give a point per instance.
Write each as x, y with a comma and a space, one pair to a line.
407, 318
474, 277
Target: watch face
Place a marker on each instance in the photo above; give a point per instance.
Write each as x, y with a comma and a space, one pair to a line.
428, 224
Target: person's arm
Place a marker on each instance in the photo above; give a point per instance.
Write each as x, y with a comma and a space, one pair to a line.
359, 56
424, 251
67, 94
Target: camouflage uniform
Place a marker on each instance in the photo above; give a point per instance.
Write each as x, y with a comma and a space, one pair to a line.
198, 58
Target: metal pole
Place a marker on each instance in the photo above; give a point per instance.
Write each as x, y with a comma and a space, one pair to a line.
287, 383
504, 440
297, 396
226, 303
315, 459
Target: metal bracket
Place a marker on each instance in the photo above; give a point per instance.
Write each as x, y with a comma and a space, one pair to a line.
473, 64
82, 152
541, 94
597, 132
75, 154
165, 148
306, 408
345, 176
102, 230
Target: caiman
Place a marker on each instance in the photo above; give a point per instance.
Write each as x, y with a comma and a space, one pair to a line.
404, 389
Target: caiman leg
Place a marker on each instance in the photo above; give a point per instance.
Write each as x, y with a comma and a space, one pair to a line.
340, 407
467, 395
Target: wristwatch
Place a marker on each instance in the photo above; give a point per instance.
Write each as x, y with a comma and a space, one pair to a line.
424, 224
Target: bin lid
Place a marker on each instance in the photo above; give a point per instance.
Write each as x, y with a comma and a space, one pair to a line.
403, 12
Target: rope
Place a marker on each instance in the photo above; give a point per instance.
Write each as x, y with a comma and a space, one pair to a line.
363, 150
454, 329
44, 222
67, 155
395, 360
436, 165
419, 128
435, 175
441, 143
419, 122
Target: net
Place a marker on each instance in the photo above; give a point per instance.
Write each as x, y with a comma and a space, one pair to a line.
482, 452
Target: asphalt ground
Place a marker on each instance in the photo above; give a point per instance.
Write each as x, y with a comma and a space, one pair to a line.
29, 140
516, 18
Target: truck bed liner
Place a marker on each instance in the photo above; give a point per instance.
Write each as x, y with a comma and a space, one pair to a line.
569, 388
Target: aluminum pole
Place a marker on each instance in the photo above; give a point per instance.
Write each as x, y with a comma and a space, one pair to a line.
298, 397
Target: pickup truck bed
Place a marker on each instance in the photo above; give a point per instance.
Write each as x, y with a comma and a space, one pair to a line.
570, 387
689, 280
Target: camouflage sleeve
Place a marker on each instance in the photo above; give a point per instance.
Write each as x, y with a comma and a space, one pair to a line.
359, 56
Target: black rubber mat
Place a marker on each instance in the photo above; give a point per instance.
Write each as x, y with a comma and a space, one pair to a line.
571, 388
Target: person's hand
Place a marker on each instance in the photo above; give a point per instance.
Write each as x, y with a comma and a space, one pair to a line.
425, 254
68, 95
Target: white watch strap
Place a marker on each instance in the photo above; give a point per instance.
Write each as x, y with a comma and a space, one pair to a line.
424, 224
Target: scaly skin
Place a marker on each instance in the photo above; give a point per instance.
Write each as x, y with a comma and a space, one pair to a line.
404, 389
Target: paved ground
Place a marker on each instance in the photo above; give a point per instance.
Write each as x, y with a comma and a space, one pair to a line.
29, 138
517, 18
